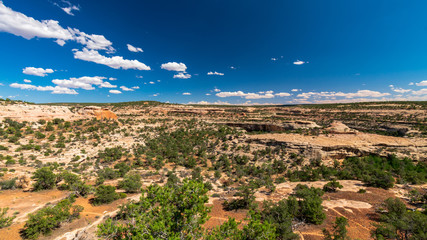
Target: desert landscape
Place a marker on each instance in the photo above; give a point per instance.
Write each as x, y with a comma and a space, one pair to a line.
105, 171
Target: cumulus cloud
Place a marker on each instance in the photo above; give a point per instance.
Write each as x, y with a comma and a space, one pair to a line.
217, 90
67, 7
358, 94
174, 66
399, 90
420, 92
115, 91
115, 62
126, 89
91, 41
86, 83
186, 94
135, 87
37, 71
299, 62
134, 49
422, 83
182, 75
27, 81
216, 73
283, 94
295, 90
210, 103
52, 89
268, 94
27, 27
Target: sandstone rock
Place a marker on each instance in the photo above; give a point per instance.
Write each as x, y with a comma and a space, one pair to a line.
340, 128
98, 112
24, 182
293, 125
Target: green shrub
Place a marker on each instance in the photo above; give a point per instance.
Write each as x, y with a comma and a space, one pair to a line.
4, 220
339, 230
39, 135
247, 198
105, 194
396, 222
131, 183
362, 190
174, 212
8, 184
311, 209
332, 186
48, 218
45, 179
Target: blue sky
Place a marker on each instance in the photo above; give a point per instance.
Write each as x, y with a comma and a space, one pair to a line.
192, 51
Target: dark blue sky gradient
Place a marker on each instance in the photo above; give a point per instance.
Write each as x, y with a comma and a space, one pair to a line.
349, 46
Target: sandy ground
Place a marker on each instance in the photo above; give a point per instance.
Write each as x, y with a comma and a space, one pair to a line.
356, 140
24, 203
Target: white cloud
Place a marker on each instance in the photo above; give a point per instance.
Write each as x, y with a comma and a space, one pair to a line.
91, 41
216, 73
135, 87
358, 94
115, 91
411, 83
283, 94
422, 83
137, 76
126, 89
27, 81
134, 49
27, 27
273, 59
399, 90
207, 94
115, 62
232, 67
107, 85
298, 62
69, 9
182, 75
112, 79
37, 71
84, 83
268, 94
60, 42
420, 92
295, 90
54, 90
152, 82
217, 90
158, 81
186, 94
210, 103
156, 94
174, 66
